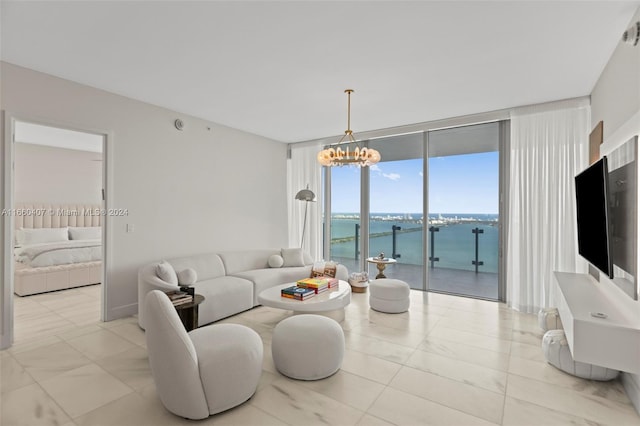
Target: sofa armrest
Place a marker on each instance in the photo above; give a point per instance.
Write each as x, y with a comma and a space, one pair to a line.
147, 281
342, 273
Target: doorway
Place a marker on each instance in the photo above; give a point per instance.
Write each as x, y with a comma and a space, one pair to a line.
463, 221
55, 188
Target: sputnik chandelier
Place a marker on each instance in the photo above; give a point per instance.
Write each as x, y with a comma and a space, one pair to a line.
360, 156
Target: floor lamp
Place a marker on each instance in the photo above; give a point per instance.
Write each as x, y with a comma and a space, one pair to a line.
305, 195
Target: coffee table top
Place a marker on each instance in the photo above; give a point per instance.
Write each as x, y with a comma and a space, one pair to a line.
332, 299
385, 261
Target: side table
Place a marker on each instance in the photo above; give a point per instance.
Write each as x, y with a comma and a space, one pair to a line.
381, 264
188, 312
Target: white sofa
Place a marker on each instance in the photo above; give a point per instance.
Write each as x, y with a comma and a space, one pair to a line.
230, 281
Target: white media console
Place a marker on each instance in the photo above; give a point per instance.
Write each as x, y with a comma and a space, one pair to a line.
600, 330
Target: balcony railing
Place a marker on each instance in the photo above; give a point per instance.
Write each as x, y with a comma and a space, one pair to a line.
470, 245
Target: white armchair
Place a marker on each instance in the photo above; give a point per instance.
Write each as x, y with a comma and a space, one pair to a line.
203, 372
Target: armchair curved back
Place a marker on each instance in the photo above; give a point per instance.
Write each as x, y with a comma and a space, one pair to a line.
173, 359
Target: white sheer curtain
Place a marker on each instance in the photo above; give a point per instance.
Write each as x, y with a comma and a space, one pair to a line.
302, 170
549, 147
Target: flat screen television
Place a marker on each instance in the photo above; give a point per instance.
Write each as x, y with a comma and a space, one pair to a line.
592, 198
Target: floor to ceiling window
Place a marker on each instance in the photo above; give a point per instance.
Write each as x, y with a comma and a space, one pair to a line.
463, 238
345, 217
454, 248
396, 204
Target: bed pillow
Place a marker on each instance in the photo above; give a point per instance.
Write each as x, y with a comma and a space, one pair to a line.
166, 273
292, 257
26, 236
85, 233
275, 261
187, 277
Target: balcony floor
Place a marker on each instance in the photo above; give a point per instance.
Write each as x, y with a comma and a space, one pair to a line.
454, 281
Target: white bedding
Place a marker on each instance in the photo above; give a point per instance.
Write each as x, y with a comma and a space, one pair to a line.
59, 253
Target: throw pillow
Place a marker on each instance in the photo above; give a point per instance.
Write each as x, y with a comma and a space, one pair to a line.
330, 269
166, 273
187, 276
317, 270
292, 257
275, 261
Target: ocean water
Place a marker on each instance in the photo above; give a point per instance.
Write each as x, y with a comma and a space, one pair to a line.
454, 243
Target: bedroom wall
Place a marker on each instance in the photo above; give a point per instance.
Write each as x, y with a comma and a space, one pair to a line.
205, 188
56, 175
615, 100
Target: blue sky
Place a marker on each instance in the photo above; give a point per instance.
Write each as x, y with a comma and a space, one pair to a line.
458, 184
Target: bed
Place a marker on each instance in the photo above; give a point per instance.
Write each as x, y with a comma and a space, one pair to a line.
47, 261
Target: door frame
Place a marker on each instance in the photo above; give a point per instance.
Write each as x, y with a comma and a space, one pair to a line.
504, 126
500, 117
6, 292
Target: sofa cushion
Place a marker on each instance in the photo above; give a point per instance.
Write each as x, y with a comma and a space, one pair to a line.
292, 257
223, 297
246, 260
166, 272
207, 266
269, 277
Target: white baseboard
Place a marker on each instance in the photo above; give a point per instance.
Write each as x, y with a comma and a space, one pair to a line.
631, 385
121, 312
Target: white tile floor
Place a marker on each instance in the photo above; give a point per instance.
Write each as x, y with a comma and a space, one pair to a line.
448, 361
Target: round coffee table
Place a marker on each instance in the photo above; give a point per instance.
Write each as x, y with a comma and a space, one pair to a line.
331, 303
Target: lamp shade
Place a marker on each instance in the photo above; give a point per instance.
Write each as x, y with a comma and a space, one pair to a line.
305, 195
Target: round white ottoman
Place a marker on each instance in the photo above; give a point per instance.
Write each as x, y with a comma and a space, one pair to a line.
389, 295
557, 353
307, 347
549, 319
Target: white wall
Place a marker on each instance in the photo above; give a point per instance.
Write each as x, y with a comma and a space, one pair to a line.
45, 174
205, 188
616, 101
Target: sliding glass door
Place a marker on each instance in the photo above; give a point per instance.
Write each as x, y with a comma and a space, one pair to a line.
345, 217
396, 194
380, 210
463, 232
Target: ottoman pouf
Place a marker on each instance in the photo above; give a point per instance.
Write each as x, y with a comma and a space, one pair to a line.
307, 347
557, 353
389, 295
549, 319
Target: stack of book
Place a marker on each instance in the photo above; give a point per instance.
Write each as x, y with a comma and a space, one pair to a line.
179, 297
298, 293
319, 284
309, 287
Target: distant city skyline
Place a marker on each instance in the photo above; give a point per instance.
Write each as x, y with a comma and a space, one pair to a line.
459, 184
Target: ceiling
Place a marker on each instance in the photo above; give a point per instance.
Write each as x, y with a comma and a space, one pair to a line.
278, 69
